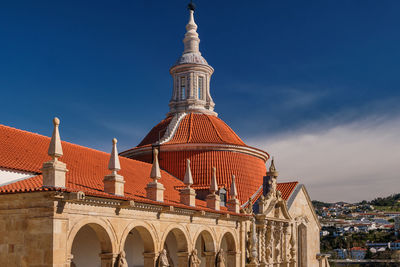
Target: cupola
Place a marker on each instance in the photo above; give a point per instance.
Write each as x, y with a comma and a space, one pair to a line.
191, 76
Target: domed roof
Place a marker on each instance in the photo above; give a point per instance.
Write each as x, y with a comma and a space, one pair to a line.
208, 142
192, 128
191, 58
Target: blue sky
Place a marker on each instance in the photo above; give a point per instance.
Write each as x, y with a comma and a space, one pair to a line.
282, 69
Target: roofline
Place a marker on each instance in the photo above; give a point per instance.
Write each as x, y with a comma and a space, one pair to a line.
121, 198
198, 146
293, 196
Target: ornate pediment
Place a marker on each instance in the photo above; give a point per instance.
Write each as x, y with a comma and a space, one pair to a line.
273, 208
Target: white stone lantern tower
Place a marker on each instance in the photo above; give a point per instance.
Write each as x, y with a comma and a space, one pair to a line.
191, 75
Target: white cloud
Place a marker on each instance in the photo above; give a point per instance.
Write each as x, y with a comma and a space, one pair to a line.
348, 162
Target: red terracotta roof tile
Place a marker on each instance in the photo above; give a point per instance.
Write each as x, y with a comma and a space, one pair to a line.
286, 189
195, 128
249, 170
157, 132
21, 150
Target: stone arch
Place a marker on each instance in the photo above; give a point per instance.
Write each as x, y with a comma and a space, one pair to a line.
209, 238
146, 232
176, 242
140, 246
98, 226
302, 245
180, 232
229, 246
98, 230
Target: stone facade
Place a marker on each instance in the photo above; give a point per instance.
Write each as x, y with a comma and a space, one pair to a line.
39, 229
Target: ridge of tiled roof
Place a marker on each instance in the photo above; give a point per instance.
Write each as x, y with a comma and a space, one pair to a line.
23, 150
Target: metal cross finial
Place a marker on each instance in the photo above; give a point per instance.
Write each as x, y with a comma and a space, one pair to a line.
191, 5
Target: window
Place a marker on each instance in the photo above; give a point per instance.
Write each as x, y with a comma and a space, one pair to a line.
183, 88
200, 88
222, 195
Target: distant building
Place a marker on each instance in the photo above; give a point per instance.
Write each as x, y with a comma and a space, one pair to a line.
358, 253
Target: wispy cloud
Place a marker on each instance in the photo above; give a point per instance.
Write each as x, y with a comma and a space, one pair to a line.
348, 161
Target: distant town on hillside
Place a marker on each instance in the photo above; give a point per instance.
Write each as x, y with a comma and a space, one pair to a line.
360, 231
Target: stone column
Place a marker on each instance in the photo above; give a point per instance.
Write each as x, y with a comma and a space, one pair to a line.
210, 258
276, 247
183, 259
292, 247
269, 243
285, 245
263, 246
108, 259
150, 259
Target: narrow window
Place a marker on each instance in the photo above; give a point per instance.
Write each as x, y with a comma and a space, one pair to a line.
183, 88
222, 195
200, 88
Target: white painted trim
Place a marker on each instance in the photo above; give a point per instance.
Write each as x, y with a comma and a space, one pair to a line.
200, 146
10, 176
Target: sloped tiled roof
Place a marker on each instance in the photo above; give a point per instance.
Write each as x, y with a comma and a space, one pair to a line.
195, 128
22, 150
248, 170
286, 189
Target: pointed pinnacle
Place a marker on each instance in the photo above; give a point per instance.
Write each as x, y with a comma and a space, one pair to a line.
113, 164
55, 148
213, 184
188, 180
233, 190
272, 167
155, 169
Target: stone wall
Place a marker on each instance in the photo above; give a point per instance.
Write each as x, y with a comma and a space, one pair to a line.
38, 229
26, 230
301, 210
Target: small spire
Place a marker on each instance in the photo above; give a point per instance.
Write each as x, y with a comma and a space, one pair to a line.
191, 40
213, 184
155, 173
55, 148
233, 192
272, 167
113, 164
188, 179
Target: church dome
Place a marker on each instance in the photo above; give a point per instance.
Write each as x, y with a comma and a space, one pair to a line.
192, 130
208, 142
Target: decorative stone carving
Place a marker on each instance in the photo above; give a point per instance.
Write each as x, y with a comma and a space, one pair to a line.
269, 242
277, 235
292, 245
253, 256
194, 259
221, 259
163, 259
122, 260
249, 208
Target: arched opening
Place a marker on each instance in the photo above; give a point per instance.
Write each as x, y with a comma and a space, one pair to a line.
138, 243
228, 246
205, 249
302, 245
176, 246
91, 246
